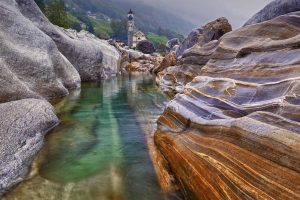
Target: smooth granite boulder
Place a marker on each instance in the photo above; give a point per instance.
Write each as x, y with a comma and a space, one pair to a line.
234, 131
31, 66
211, 31
93, 58
23, 125
274, 9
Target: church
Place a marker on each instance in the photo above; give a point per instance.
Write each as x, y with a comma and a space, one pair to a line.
134, 35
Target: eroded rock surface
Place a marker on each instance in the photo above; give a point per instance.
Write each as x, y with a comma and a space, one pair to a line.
173, 79
169, 60
194, 52
234, 131
274, 9
211, 31
30, 64
23, 125
93, 58
133, 61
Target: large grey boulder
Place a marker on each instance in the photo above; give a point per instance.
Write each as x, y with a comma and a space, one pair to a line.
31, 66
211, 31
145, 47
275, 9
87, 65
23, 125
94, 59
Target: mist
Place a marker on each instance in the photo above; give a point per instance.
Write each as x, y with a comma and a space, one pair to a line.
199, 12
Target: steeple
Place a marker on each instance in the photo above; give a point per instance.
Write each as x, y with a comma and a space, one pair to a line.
130, 25
130, 12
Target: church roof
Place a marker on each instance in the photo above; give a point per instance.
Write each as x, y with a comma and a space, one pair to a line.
139, 33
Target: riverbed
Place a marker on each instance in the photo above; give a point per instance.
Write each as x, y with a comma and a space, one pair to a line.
103, 147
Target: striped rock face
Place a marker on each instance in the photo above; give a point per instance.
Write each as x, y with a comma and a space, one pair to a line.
234, 131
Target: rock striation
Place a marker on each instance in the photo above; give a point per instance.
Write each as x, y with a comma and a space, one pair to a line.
23, 125
169, 60
234, 131
173, 79
195, 51
274, 9
211, 31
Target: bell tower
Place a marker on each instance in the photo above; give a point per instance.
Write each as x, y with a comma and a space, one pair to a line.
130, 25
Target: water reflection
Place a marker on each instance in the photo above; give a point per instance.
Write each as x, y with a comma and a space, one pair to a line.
100, 149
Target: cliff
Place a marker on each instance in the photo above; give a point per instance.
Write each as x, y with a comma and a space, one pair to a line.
233, 131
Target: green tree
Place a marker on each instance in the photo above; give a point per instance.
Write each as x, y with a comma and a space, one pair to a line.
76, 26
119, 30
89, 27
57, 14
41, 4
169, 33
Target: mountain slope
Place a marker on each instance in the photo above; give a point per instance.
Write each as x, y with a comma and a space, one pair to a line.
148, 19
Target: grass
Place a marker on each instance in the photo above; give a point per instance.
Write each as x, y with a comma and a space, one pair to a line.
102, 28
157, 39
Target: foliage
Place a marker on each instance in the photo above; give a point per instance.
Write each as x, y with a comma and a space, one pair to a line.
157, 40
57, 14
91, 24
169, 33
74, 22
89, 27
102, 28
119, 30
41, 4
148, 19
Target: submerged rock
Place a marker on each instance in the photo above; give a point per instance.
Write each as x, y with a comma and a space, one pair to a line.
274, 9
211, 31
234, 131
23, 125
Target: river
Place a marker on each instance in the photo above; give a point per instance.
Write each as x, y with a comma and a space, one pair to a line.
103, 148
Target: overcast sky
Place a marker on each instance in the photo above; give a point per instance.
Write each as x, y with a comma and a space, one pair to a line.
202, 11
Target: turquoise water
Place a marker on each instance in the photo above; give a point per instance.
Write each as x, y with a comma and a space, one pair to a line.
100, 150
